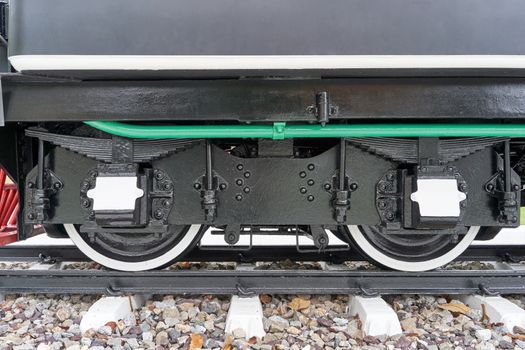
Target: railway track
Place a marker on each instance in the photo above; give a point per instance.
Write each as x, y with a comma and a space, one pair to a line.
337, 254
248, 279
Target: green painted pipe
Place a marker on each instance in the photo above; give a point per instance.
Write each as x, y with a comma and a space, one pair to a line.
280, 131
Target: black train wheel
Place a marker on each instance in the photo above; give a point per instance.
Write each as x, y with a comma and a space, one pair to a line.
410, 252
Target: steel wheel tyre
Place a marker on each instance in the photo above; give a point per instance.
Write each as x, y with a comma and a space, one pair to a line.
167, 250
415, 253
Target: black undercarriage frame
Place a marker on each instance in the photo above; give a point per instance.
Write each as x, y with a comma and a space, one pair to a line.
229, 183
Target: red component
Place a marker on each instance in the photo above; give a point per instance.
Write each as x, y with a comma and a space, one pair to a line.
8, 209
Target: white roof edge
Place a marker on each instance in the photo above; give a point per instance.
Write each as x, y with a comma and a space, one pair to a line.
281, 62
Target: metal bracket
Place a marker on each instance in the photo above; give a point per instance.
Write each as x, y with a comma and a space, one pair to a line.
38, 199
319, 237
505, 186
232, 233
342, 186
323, 110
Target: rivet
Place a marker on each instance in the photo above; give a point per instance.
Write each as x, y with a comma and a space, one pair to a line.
85, 203
246, 189
239, 182
159, 175
310, 198
302, 174
197, 186
31, 216
311, 167
303, 190
158, 214
30, 184
238, 197
327, 187
240, 166
247, 174
353, 186
311, 182
222, 186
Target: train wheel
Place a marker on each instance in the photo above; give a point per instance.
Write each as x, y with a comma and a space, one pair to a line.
136, 251
411, 252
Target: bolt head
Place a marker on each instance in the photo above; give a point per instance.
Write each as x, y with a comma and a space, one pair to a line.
197, 186
516, 187
230, 237
57, 185
31, 216
159, 175
490, 187
31, 184
353, 186
158, 214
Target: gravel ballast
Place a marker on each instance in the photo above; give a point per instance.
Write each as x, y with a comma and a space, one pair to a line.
291, 322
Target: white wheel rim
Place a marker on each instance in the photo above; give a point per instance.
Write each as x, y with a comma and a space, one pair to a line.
165, 258
413, 266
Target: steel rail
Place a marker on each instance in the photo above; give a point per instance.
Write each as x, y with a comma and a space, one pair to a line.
511, 253
263, 281
280, 131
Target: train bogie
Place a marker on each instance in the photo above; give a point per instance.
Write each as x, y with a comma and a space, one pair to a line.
134, 144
